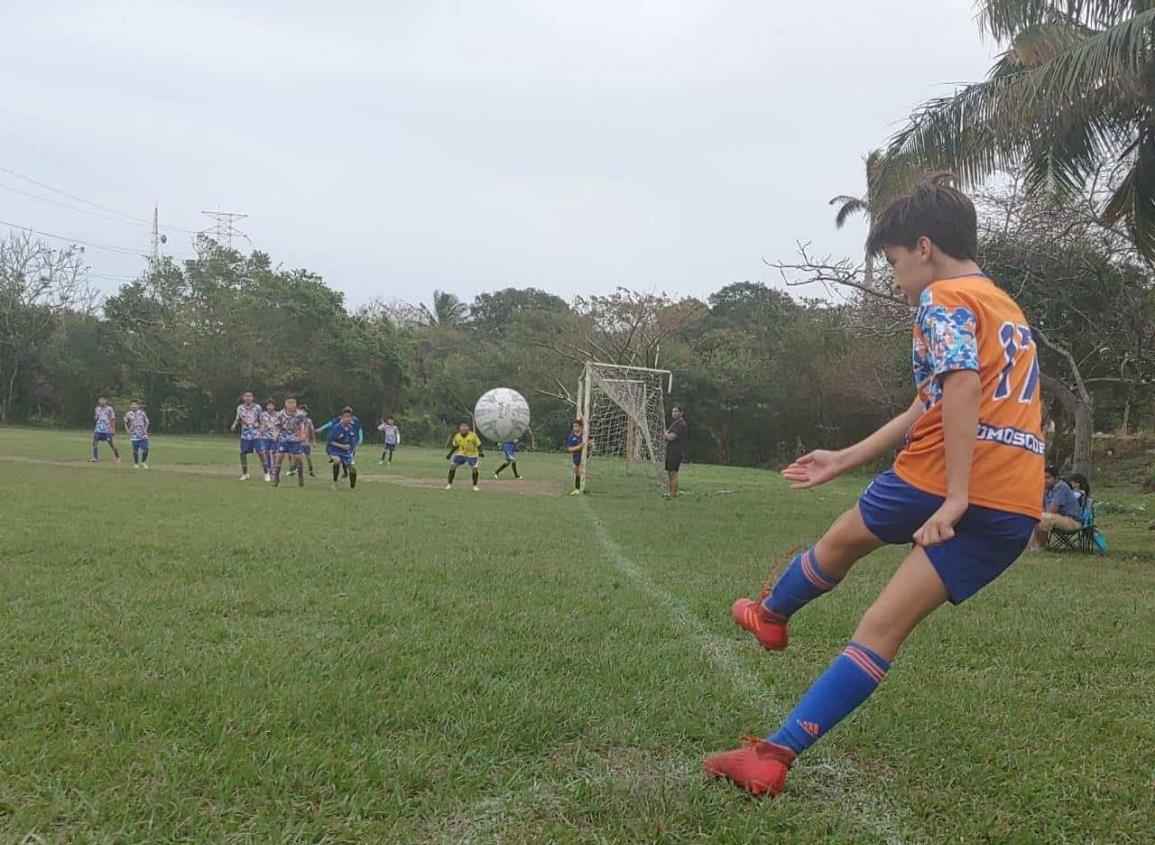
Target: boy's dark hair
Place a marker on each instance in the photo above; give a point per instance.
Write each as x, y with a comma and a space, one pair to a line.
1051, 470
935, 209
346, 410
289, 396
271, 399
579, 423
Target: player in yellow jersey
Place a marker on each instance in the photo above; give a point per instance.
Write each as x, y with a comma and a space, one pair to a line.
464, 448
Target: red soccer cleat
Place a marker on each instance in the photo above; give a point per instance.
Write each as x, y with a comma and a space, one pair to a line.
758, 766
768, 628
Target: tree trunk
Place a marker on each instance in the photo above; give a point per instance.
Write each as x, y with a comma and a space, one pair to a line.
1083, 410
10, 392
868, 270
1084, 438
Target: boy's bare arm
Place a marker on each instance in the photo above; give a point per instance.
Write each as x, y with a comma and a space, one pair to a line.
884, 441
821, 466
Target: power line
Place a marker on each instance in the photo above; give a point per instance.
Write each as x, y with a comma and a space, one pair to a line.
120, 249
59, 204
47, 187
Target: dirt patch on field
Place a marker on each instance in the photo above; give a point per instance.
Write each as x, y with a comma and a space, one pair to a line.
516, 488
506, 487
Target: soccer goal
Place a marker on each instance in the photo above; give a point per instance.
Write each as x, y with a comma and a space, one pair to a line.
625, 417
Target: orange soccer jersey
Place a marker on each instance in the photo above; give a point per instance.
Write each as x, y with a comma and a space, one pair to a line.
969, 323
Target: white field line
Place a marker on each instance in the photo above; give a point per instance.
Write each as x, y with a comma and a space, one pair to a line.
847, 787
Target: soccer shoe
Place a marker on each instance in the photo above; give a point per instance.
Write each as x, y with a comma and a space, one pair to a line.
268, 476
143, 465
380, 462
245, 477
575, 492
496, 477
448, 486
312, 474
768, 628
92, 460
119, 459
758, 766
136, 466
476, 489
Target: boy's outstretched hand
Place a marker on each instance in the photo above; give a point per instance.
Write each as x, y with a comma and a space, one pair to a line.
814, 468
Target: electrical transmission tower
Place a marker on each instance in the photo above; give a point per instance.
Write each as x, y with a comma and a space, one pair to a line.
225, 228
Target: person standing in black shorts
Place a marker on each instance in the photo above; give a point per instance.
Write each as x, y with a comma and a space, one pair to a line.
675, 434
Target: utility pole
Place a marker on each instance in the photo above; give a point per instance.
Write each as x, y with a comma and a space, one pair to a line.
157, 240
155, 237
225, 228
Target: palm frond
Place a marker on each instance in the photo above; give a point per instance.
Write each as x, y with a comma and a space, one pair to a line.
847, 207
1038, 44
1003, 19
989, 124
1134, 200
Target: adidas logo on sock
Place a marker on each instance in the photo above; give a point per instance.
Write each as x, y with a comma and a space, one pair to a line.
811, 728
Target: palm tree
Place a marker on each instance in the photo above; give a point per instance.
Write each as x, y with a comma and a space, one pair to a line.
1073, 92
886, 176
865, 205
447, 310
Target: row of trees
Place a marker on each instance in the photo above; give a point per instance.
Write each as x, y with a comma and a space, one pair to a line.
761, 373
1065, 119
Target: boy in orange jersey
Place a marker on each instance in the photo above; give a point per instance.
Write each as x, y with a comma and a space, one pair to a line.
966, 490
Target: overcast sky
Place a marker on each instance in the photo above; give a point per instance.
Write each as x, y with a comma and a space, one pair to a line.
397, 148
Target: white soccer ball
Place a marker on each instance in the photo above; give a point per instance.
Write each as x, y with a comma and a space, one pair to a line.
501, 414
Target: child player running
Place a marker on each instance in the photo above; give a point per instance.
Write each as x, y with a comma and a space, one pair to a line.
268, 441
391, 437
464, 448
341, 446
573, 444
248, 417
509, 453
310, 440
289, 426
104, 428
136, 427
966, 489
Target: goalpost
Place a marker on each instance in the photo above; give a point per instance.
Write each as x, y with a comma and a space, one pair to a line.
624, 412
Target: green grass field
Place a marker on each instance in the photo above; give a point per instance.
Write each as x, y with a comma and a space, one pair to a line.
188, 658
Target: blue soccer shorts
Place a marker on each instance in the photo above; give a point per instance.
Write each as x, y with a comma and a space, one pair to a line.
102, 436
290, 448
985, 543
346, 458
249, 445
458, 460
140, 444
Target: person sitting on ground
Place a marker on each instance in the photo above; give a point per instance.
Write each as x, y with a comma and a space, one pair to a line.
1061, 509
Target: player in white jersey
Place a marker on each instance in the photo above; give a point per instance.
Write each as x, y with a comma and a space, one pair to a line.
104, 430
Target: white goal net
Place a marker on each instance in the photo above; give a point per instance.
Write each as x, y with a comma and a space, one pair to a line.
625, 417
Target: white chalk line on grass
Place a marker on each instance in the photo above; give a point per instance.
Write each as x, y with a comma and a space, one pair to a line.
871, 811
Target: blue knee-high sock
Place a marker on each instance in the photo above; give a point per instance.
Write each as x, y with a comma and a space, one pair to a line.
801, 582
849, 681
144, 455
95, 455
135, 454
